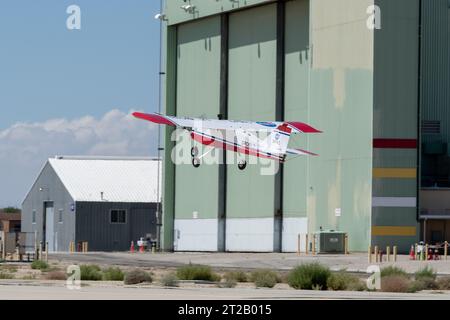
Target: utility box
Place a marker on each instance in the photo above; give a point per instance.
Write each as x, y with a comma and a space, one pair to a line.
330, 241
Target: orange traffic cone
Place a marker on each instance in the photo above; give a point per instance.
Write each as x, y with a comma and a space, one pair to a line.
412, 255
132, 247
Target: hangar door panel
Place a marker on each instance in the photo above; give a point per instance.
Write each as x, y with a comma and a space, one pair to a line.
198, 94
252, 80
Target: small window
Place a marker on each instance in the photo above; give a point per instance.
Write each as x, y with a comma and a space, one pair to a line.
119, 216
60, 216
33, 217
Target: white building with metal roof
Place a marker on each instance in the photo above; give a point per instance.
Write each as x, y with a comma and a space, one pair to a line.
105, 201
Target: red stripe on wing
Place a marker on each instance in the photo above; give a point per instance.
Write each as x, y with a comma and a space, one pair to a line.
156, 118
303, 127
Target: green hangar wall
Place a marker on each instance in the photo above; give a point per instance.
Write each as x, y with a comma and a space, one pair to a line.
311, 61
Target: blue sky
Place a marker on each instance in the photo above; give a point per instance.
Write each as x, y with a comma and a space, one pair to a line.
55, 83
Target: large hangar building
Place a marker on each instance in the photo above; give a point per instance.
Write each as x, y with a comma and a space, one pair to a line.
351, 68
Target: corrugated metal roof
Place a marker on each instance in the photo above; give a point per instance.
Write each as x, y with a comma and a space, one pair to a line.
112, 180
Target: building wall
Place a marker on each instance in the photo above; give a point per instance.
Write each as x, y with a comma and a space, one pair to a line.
395, 160
93, 225
52, 191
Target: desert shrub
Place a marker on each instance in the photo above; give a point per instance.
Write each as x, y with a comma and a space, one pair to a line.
424, 284
4, 275
113, 274
425, 273
309, 276
8, 268
197, 272
344, 281
169, 280
55, 275
395, 283
91, 272
228, 283
265, 278
137, 276
444, 283
393, 271
39, 265
29, 277
238, 276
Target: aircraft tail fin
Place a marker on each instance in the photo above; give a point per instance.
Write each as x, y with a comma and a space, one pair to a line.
278, 139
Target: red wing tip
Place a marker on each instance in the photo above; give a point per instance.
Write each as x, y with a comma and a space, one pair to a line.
304, 127
154, 117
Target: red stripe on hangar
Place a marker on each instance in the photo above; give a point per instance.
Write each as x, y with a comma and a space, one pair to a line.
395, 143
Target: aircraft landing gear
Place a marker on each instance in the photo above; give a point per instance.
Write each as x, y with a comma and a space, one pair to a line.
196, 162
242, 165
194, 152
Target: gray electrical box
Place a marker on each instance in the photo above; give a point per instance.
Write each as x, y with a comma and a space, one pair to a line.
330, 241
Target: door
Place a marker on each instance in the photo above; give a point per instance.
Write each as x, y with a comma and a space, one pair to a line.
50, 227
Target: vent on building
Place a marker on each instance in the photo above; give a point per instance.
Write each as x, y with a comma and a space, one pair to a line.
431, 127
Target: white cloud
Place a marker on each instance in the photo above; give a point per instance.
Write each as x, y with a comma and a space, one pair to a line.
24, 147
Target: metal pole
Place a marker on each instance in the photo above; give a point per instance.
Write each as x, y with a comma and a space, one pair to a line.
388, 253
158, 201
369, 254
395, 253
376, 254
298, 244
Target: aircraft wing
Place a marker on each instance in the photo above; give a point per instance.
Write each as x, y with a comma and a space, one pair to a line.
232, 125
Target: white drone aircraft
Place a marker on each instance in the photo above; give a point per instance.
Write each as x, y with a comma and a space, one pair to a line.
238, 136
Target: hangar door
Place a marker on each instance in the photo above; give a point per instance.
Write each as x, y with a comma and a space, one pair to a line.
252, 83
198, 95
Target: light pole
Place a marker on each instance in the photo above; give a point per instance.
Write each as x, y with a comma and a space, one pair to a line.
161, 74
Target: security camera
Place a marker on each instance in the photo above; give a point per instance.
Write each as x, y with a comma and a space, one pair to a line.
188, 8
160, 16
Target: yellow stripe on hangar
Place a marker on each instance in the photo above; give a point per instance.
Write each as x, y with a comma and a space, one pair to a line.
394, 231
402, 173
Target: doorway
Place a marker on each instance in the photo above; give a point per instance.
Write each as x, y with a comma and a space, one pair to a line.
48, 231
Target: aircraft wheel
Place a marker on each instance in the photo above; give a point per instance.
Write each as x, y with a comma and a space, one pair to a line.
242, 165
196, 162
194, 152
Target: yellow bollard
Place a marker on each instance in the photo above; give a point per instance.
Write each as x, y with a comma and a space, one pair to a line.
395, 253
313, 244
39, 257
425, 256
388, 253
346, 244
369, 254
415, 252
306, 244
46, 251
445, 249
377, 257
